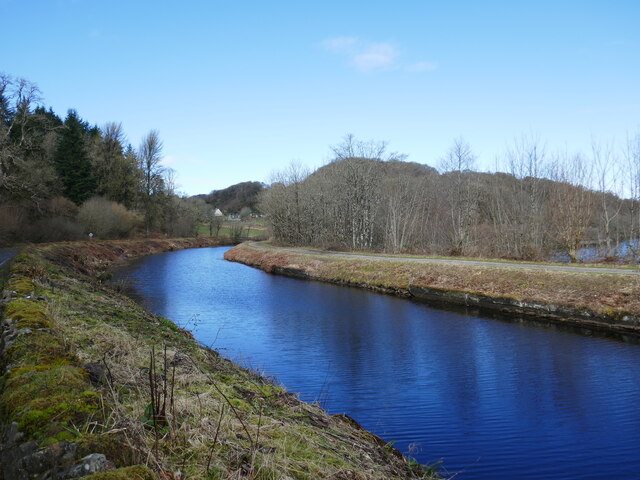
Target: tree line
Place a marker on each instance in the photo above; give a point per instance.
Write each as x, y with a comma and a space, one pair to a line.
367, 198
61, 179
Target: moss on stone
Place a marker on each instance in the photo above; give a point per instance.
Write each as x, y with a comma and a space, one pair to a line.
137, 472
20, 284
47, 401
28, 313
36, 348
113, 445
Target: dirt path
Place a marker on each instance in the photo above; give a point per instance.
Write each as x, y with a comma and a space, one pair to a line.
477, 263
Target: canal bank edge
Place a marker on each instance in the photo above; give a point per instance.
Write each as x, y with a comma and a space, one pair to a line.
77, 379
590, 302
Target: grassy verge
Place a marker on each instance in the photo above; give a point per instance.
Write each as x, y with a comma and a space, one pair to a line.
404, 256
606, 300
86, 370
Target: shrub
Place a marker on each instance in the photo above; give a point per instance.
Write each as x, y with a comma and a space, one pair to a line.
56, 229
13, 221
62, 207
107, 219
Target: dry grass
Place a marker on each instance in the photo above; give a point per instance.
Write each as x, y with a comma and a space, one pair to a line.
603, 294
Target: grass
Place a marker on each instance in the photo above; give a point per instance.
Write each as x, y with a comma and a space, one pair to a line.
81, 371
401, 256
609, 295
253, 229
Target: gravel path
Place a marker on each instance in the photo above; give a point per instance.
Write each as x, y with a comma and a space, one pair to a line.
475, 263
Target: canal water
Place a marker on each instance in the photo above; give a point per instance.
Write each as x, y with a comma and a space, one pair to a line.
490, 399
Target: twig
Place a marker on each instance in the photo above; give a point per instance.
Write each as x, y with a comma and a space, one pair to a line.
173, 386
233, 409
259, 423
215, 438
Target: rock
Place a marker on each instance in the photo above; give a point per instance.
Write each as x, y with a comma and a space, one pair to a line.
24, 460
96, 373
96, 462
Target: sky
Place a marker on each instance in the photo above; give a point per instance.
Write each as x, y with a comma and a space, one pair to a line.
239, 89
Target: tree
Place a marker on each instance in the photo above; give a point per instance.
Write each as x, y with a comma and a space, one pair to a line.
149, 158
116, 171
406, 197
27, 140
72, 160
570, 203
457, 164
606, 167
215, 221
632, 166
285, 201
526, 160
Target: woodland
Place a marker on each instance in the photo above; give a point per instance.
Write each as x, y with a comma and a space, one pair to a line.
63, 179
542, 205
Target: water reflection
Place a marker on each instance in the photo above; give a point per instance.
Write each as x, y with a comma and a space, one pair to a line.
493, 399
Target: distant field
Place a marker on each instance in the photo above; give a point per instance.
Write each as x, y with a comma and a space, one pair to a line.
252, 229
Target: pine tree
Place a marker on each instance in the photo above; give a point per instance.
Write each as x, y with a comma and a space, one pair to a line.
72, 160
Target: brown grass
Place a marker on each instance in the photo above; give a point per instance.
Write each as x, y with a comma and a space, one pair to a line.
613, 295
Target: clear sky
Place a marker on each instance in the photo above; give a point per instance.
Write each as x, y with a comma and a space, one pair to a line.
238, 89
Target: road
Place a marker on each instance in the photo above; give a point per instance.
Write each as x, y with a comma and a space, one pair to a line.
7, 254
475, 263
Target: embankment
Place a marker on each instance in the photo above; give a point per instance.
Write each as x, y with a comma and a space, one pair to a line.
592, 302
92, 384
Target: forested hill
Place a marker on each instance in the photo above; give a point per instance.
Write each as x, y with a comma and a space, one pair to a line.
362, 202
232, 199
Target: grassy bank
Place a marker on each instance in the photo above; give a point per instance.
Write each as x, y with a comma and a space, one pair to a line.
87, 372
605, 302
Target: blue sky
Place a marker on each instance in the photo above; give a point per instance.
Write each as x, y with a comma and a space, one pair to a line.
240, 89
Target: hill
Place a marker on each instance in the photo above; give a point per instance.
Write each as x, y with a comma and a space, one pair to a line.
232, 199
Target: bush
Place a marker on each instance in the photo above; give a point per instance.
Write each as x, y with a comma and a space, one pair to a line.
107, 219
56, 229
14, 219
184, 226
62, 207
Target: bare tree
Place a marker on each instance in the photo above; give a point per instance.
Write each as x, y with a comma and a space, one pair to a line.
632, 166
150, 156
607, 171
457, 164
406, 198
27, 140
285, 201
527, 162
571, 204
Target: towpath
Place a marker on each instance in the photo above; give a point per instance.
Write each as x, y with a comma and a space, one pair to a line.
478, 263
7, 254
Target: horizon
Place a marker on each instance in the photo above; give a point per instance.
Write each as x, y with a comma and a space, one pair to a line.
238, 93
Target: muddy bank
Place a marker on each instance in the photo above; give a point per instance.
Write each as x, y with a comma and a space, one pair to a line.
94, 384
591, 302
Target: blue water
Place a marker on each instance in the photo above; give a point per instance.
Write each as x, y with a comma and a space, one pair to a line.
491, 399
624, 251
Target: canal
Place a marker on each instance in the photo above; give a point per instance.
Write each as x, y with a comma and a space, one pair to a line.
490, 399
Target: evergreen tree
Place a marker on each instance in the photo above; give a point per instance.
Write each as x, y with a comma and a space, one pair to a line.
72, 160
116, 170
